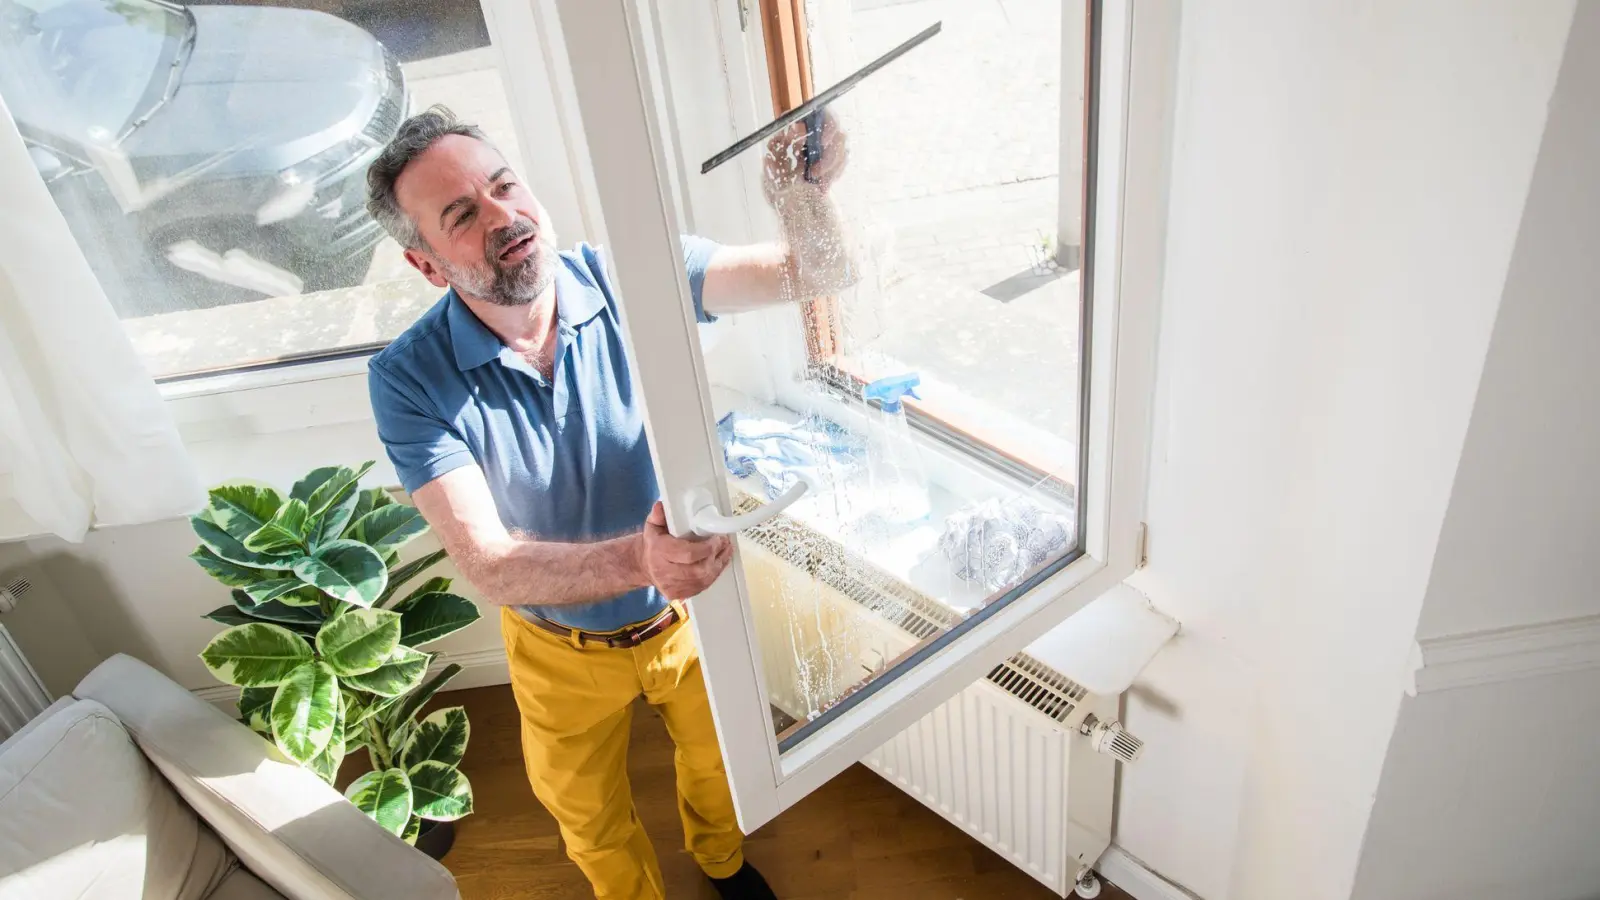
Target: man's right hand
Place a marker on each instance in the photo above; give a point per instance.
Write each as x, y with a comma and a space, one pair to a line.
680, 568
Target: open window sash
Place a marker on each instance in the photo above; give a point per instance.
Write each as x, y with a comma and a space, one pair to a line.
614, 81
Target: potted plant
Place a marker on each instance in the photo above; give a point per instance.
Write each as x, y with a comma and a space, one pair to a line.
325, 647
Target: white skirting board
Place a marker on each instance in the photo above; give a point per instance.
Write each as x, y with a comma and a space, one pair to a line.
1135, 878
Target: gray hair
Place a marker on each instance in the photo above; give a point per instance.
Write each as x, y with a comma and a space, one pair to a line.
415, 136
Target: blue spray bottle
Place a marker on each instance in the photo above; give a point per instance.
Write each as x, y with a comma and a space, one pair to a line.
897, 487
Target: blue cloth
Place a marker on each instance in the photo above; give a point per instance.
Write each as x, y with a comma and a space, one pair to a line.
567, 459
781, 453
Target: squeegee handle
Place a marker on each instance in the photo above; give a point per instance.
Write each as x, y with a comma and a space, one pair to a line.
813, 151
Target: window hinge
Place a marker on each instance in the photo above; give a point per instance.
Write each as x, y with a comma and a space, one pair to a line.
744, 14
1144, 546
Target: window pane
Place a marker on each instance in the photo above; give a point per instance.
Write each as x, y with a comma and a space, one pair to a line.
918, 521
211, 160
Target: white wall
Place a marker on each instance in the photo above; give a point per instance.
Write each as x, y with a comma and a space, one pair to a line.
1347, 185
1519, 543
1494, 790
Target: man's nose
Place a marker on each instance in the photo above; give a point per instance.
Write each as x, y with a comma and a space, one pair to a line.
498, 215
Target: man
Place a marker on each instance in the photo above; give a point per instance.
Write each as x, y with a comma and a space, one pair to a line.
511, 416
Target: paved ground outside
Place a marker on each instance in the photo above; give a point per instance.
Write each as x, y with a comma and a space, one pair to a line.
956, 151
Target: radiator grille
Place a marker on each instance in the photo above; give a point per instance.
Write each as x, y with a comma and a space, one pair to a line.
22, 694
1029, 680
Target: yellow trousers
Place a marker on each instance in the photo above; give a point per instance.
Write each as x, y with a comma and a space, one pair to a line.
577, 705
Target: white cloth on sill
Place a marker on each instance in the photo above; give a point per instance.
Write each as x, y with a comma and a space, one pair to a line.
996, 543
85, 437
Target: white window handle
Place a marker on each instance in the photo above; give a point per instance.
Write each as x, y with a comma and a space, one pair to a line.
708, 520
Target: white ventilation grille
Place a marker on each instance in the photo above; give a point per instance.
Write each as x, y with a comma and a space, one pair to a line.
22, 694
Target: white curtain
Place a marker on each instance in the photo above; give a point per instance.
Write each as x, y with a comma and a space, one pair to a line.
85, 438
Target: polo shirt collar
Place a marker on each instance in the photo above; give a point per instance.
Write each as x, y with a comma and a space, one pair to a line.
578, 299
474, 344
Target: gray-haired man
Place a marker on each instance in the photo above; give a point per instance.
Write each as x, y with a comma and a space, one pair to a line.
510, 413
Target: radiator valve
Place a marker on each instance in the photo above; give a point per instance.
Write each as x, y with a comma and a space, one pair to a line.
1111, 739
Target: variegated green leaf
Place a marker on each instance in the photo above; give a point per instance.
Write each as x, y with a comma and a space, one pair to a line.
241, 509
356, 710
367, 501
214, 538
255, 655
296, 618
402, 711
439, 792
390, 528
230, 573
305, 711
323, 487
326, 764
316, 478
335, 519
401, 671
272, 589
345, 570
359, 641
405, 573
413, 829
385, 796
435, 585
305, 595
441, 737
285, 533
432, 616
255, 705
229, 615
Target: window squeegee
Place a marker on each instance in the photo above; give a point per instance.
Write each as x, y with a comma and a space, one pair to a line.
811, 110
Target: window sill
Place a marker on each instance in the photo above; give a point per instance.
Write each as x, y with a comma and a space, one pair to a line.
275, 335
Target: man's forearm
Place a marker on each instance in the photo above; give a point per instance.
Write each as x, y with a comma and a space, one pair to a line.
817, 257
547, 573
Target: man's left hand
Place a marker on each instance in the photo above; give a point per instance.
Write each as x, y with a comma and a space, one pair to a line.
786, 158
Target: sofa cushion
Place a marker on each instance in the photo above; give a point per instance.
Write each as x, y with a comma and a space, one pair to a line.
241, 885
84, 815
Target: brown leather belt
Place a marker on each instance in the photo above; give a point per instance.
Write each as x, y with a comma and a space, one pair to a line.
627, 638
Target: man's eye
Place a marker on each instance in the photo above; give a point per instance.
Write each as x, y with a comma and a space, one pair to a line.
506, 186
463, 219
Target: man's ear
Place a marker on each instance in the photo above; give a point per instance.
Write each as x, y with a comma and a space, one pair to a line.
423, 262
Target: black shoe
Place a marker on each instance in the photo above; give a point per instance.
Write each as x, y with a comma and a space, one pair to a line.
745, 884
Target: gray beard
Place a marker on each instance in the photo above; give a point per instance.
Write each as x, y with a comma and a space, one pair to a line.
518, 285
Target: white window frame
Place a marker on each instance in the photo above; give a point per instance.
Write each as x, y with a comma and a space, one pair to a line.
614, 82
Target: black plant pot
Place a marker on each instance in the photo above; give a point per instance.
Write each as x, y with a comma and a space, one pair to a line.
436, 838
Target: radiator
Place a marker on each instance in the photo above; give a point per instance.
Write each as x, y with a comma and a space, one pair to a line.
22, 694
1004, 760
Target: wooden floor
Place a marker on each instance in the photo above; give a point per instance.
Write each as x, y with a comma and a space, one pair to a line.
857, 837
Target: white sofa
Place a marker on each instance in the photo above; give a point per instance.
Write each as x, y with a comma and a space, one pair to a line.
135, 789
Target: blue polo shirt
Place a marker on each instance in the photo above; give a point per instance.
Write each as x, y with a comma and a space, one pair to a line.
566, 459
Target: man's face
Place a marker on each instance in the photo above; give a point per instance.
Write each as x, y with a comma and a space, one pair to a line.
484, 233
